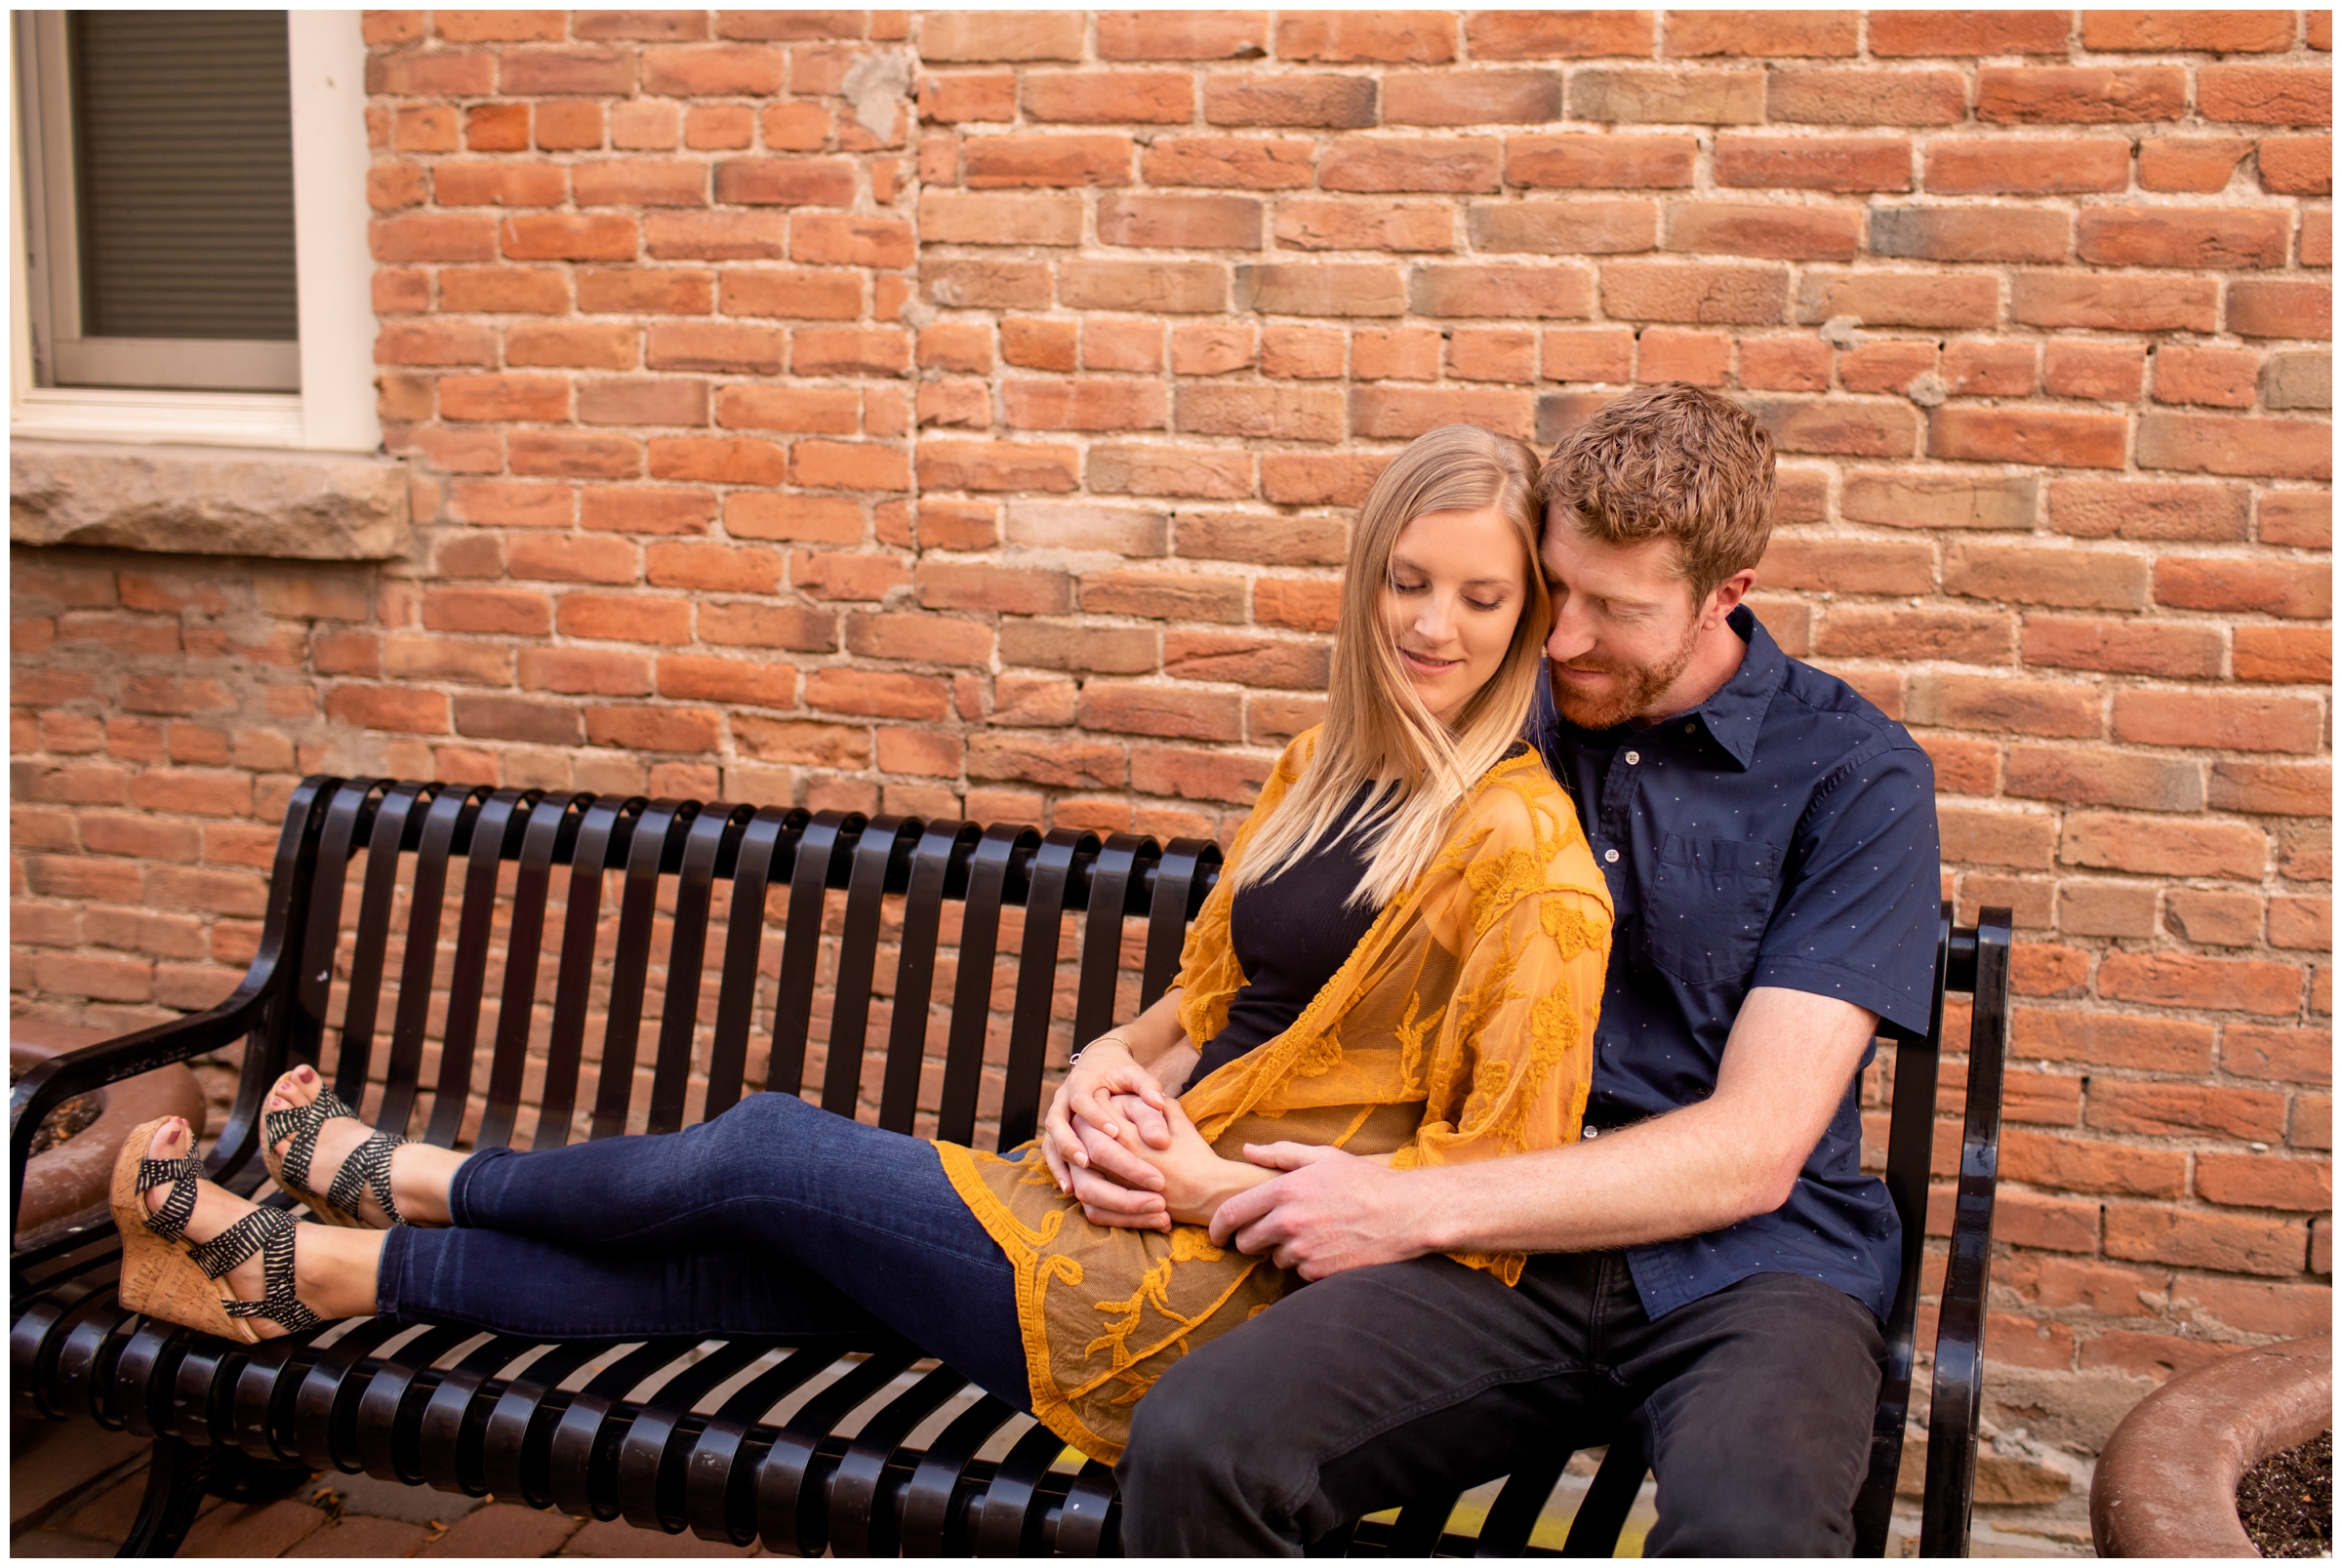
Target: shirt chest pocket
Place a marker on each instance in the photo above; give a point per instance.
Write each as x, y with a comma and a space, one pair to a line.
1705, 904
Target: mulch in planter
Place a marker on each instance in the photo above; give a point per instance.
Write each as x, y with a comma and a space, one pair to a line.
2287, 1501
72, 1116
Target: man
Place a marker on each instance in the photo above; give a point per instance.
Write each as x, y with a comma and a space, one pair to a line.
1711, 1249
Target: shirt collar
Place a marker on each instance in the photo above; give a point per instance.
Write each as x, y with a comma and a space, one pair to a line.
1734, 714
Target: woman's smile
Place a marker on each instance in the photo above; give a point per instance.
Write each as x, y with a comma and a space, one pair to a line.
1426, 664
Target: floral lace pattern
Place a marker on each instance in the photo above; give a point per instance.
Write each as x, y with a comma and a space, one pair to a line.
1461, 1027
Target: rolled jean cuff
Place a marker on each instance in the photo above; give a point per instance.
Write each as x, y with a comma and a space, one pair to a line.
390, 1274
459, 1186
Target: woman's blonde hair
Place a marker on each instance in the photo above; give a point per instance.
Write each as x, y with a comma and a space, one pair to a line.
1376, 726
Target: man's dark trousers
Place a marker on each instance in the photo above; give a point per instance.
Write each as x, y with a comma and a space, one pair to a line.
1379, 1386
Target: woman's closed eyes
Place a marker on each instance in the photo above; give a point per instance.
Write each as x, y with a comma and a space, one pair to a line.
1489, 606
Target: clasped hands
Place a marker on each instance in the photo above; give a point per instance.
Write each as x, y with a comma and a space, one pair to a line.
1128, 1153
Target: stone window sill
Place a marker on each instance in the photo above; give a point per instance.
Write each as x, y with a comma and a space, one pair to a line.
208, 501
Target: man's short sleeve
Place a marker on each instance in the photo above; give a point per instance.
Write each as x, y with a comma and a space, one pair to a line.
1861, 890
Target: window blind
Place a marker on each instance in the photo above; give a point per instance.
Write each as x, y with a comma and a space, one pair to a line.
184, 174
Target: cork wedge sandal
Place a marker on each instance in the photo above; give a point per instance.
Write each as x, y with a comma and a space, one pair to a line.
166, 1276
365, 1170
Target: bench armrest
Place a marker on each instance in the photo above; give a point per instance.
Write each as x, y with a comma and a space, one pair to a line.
1958, 1386
247, 1012
59, 1078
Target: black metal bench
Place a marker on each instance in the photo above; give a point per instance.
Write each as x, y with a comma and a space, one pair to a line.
746, 1440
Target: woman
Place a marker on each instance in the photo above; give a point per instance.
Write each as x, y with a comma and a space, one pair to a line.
1403, 956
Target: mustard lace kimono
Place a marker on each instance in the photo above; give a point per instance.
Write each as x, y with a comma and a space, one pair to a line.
1461, 1027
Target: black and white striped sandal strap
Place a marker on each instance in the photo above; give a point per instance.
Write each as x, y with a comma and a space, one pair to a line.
302, 1123
170, 1221
367, 1170
271, 1231
232, 1245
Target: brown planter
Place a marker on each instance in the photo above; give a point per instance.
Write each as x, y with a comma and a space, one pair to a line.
2166, 1483
65, 1188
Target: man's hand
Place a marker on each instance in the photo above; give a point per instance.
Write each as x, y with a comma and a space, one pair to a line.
1710, 1164
1329, 1212
1105, 1070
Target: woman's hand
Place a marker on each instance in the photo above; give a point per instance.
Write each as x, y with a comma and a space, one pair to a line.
1191, 1181
1087, 1098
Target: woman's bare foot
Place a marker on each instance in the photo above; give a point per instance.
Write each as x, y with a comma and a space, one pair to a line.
333, 1270
419, 1172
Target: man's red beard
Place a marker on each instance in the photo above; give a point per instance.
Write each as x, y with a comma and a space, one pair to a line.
1636, 687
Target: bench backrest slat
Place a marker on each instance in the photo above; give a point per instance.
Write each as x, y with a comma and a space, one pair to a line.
605, 834
942, 848
1036, 979
663, 825
1177, 898
884, 842
1113, 881
552, 819
818, 849
453, 809
1910, 1138
1001, 848
398, 815
496, 832
347, 810
715, 836
768, 844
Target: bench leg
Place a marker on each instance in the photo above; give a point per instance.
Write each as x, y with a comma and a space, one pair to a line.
181, 1475
176, 1479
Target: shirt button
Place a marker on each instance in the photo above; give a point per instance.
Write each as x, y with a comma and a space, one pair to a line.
1688, 727
1611, 856
1591, 1131
1634, 757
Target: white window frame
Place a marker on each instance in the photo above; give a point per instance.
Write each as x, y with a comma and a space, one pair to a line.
334, 408
60, 345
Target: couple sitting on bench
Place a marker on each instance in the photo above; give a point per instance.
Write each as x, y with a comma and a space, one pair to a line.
1536, 1062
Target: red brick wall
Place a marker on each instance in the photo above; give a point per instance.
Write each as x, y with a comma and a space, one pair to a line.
958, 412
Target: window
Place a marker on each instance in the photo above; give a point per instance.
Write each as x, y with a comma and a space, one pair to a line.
161, 244
191, 220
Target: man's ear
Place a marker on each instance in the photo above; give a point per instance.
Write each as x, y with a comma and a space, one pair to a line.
1725, 598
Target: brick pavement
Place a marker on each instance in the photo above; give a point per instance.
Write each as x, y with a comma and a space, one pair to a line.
74, 1493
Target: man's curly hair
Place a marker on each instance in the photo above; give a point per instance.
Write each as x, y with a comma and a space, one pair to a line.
1668, 461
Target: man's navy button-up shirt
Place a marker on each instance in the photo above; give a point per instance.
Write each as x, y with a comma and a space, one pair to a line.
1781, 833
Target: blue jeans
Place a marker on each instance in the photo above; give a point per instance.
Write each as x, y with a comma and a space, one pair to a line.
776, 1218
